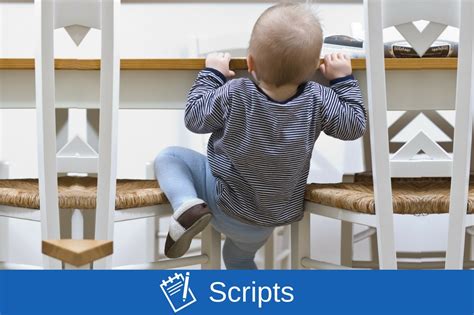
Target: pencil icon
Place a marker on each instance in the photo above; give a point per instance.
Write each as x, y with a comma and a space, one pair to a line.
186, 284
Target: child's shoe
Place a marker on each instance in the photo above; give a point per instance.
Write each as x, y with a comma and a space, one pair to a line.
187, 221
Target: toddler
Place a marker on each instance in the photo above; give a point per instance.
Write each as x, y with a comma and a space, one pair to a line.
262, 136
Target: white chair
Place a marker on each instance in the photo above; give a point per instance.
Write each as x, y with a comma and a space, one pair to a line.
460, 223
113, 200
374, 207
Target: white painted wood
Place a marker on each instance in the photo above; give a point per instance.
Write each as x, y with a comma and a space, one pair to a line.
421, 142
377, 108
168, 263
143, 212
109, 102
364, 234
150, 171
145, 89
300, 241
4, 170
462, 139
341, 214
420, 168
20, 213
79, 164
269, 253
153, 239
73, 12
77, 147
441, 122
401, 122
405, 87
374, 253
421, 41
77, 156
396, 12
470, 230
470, 220
4, 239
211, 247
46, 124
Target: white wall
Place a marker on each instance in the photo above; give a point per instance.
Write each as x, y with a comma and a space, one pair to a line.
151, 31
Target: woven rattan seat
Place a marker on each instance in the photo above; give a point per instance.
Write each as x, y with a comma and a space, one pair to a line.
410, 196
80, 193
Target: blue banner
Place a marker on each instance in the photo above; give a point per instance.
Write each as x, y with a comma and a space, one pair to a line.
236, 292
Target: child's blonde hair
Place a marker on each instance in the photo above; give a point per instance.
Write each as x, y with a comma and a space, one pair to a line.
286, 44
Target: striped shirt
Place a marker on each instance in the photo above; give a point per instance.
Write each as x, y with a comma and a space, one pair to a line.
260, 149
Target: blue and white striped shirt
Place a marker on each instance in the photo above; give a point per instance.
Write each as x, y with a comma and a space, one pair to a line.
260, 149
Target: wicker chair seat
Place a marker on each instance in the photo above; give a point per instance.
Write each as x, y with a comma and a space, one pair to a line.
410, 196
80, 193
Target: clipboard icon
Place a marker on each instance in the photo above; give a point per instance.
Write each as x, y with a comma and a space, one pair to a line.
177, 292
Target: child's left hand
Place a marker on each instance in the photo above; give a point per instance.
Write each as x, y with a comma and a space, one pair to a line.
220, 62
336, 65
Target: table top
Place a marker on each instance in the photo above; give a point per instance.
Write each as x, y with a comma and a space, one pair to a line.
198, 64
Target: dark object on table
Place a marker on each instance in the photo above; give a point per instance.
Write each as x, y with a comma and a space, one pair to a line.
439, 49
343, 40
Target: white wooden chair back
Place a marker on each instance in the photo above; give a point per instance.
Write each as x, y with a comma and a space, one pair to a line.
380, 14
77, 17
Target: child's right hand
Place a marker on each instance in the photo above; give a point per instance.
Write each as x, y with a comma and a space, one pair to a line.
336, 65
220, 62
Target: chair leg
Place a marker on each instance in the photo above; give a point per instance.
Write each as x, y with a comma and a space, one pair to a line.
300, 241
346, 243
386, 249
211, 246
456, 240
153, 239
468, 248
4, 233
269, 250
286, 261
374, 254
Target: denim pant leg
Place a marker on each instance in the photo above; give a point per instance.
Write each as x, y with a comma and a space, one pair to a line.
182, 175
185, 174
242, 239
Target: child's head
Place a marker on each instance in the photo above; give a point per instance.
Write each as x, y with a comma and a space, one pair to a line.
285, 45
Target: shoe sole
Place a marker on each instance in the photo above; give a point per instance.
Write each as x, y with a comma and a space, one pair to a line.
181, 246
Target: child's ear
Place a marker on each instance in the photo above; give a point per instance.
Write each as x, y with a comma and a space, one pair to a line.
250, 64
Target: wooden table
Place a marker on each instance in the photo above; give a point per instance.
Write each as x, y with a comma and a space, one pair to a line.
198, 63
164, 84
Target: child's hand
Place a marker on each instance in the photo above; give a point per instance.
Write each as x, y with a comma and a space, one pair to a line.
336, 66
220, 62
